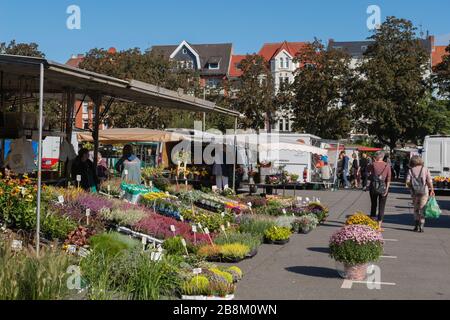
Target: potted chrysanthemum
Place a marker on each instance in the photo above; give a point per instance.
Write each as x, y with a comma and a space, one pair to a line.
355, 246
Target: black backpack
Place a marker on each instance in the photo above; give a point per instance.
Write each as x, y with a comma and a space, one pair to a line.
378, 184
418, 186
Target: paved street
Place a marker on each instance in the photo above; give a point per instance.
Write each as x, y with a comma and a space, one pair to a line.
414, 266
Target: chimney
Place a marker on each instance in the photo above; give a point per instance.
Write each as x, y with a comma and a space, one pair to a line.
432, 42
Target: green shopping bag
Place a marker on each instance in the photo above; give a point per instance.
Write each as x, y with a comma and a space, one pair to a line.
432, 210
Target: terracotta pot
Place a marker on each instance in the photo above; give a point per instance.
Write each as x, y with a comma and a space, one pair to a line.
356, 272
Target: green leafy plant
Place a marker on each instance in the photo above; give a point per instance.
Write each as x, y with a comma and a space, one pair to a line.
256, 225
226, 275
57, 227
277, 234
112, 243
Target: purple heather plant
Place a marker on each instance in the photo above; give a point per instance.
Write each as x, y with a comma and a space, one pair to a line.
360, 234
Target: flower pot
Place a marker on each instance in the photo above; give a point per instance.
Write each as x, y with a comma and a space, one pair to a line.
252, 253
304, 230
356, 272
277, 242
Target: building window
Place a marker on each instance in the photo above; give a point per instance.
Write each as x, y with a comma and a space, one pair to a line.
281, 63
280, 125
212, 83
86, 124
213, 66
287, 63
85, 107
184, 51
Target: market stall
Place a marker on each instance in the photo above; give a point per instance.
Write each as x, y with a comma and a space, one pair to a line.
38, 79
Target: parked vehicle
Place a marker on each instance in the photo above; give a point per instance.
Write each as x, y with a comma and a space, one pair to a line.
436, 155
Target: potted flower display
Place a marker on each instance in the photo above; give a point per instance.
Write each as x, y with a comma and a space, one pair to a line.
319, 210
305, 224
277, 235
355, 246
362, 219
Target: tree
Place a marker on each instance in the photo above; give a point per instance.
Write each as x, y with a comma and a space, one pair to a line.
255, 93
21, 49
320, 103
442, 78
148, 67
392, 86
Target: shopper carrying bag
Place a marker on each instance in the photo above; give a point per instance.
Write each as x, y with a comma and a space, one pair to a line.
421, 185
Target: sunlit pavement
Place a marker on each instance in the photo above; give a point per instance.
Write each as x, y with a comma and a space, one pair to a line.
414, 265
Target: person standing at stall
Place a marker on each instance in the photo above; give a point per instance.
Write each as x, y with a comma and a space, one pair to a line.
84, 168
380, 180
345, 161
129, 166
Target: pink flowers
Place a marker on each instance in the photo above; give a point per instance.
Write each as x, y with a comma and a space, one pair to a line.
358, 233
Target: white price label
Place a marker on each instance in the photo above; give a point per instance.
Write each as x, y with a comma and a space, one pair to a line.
223, 214
194, 229
78, 178
151, 184
228, 224
72, 248
83, 252
144, 240
284, 211
222, 227
307, 199
206, 231
199, 225
183, 242
249, 204
214, 188
61, 199
181, 219
109, 188
88, 212
160, 249
197, 271
172, 228
16, 245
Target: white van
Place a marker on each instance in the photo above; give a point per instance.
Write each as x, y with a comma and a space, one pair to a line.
436, 155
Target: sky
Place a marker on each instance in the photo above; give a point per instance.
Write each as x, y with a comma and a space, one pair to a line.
248, 24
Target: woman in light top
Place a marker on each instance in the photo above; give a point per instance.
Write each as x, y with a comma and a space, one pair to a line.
129, 166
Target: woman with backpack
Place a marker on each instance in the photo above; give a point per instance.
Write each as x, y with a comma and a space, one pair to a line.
421, 184
379, 182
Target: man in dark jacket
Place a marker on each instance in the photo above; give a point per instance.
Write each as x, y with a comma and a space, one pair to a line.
83, 167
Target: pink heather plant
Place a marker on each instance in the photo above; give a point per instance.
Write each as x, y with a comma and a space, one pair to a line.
360, 234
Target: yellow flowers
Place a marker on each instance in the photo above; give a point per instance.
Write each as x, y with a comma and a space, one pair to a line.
152, 196
362, 219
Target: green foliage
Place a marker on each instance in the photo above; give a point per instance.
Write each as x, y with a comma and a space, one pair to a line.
247, 239
277, 234
57, 227
21, 49
228, 277
321, 99
442, 78
256, 226
123, 217
352, 253
174, 246
112, 243
23, 276
388, 95
255, 95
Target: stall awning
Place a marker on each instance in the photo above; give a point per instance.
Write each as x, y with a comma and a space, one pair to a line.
60, 77
268, 147
128, 135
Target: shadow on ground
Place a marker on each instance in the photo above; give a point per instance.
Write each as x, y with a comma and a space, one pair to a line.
319, 249
314, 271
406, 219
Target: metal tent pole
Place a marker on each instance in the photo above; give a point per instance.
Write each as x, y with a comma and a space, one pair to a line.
39, 187
336, 164
235, 153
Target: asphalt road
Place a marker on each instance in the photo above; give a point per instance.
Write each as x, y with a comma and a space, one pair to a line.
414, 266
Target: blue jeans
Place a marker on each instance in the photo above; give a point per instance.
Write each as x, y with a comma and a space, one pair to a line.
345, 175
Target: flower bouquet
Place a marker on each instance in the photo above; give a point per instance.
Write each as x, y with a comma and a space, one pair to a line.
355, 246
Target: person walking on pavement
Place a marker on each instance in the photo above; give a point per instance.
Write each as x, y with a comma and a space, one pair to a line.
345, 164
355, 171
379, 183
421, 185
363, 169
